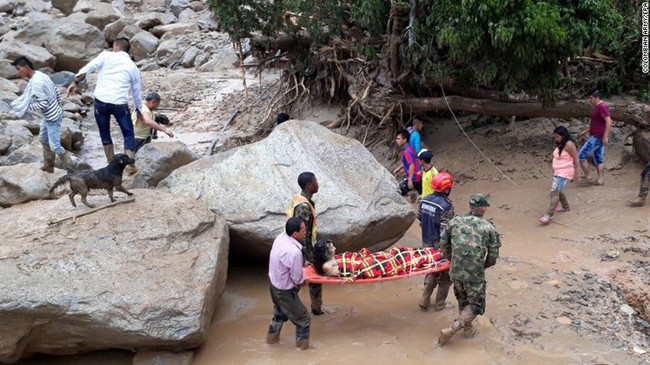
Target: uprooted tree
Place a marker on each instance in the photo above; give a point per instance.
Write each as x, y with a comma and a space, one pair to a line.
387, 60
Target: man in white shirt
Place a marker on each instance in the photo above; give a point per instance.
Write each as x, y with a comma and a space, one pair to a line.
117, 76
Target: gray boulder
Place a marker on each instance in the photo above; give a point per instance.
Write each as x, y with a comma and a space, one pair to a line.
28, 153
25, 182
39, 56
189, 56
70, 288
155, 161
112, 30
177, 6
130, 31
167, 48
174, 29
73, 44
143, 44
7, 6
19, 134
5, 143
71, 136
62, 78
102, 15
150, 19
7, 85
66, 6
358, 204
187, 15
641, 143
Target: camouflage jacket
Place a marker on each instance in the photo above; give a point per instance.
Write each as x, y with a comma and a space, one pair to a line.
303, 211
472, 244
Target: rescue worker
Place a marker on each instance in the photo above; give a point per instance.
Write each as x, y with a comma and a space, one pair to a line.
436, 211
286, 275
645, 180
472, 244
302, 206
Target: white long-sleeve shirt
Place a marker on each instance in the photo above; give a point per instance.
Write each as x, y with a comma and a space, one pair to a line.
117, 76
40, 95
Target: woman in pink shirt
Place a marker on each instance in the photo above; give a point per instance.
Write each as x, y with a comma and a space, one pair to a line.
565, 165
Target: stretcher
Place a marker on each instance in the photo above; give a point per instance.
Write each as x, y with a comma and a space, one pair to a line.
312, 277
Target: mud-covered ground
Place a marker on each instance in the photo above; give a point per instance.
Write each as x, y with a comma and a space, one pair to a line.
574, 292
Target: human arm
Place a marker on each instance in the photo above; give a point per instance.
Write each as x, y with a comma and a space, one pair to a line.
445, 241
494, 242
152, 124
445, 218
331, 268
296, 273
608, 128
572, 150
136, 89
95, 64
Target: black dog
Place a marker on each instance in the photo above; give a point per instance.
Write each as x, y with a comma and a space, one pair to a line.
109, 178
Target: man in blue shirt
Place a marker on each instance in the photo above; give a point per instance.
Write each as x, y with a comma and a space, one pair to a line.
435, 212
415, 140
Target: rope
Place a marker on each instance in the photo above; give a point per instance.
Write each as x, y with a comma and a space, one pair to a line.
472, 142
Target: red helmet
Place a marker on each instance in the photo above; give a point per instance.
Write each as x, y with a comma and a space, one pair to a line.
442, 182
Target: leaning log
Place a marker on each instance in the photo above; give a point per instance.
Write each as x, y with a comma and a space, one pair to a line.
633, 114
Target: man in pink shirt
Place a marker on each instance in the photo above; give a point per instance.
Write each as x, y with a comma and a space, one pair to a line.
599, 128
285, 272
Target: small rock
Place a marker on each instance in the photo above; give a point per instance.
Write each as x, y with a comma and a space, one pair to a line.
627, 310
613, 254
637, 349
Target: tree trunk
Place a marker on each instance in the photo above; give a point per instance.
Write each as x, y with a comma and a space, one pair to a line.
412, 15
633, 114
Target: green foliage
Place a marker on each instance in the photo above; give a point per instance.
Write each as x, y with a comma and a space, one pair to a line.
501, 44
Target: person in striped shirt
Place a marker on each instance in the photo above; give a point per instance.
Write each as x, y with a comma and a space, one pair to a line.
41, 95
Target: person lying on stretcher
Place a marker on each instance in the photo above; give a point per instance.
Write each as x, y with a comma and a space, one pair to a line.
365, 264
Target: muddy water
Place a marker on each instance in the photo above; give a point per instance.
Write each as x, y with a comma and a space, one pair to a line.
381, 323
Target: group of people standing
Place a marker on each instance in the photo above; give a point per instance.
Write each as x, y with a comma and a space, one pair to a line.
117, 77
470, 242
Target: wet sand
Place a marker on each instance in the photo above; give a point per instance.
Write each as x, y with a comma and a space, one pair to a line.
381, 323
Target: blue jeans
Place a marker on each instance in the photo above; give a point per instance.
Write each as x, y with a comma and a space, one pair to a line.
593, 146
103, 112
50, 134
559, 183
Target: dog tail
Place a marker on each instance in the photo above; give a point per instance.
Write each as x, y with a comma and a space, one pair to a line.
59, 182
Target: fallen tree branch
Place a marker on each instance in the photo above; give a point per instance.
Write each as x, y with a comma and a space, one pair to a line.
632, 114
93, 210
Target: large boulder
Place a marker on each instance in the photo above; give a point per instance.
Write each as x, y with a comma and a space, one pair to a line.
641, 143
155, 161
66, 6
29, 153
39, 56
175, 29
71, 136
19, 134
142, 44
357, 206
7, 85
139, 276
102, 15
7, 6
177, 6
112, 30
25, 182
73, 44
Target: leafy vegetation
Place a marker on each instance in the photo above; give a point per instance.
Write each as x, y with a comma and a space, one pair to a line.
505, 45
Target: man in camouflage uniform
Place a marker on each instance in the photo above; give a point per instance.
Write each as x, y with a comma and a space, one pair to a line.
472, 244
645, 180
303, 206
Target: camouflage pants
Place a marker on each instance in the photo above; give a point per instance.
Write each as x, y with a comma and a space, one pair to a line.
645, 182
287, 306
470, 294
315, 290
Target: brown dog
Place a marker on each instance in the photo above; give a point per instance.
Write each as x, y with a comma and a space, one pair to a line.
109, 178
